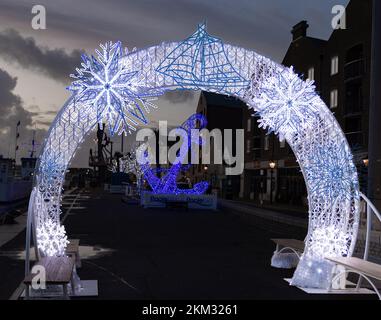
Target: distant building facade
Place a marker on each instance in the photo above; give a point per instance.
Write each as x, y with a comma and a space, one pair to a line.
221, 112
340, 67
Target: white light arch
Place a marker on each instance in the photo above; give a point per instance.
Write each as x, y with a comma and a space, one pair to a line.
118, 87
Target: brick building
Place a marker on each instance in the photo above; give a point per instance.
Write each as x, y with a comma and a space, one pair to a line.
221, 112
340, 67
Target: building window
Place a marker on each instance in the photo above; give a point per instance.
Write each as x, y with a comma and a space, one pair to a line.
333, 98
354, 54
248, 145
334, 65
282, 143
353, 98
311, 73
249, 125
256, 154
266, 142
256, 147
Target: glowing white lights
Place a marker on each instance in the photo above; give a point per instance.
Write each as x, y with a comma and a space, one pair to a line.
328, 171
51, 238
286, 103
313, 272
118, 88
117, 94
329, 242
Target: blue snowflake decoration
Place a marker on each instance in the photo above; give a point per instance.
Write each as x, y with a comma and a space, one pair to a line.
50, 174
286, 103
200, 62
51, 166
117, 94
328, 172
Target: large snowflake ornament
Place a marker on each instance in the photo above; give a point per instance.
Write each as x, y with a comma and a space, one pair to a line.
329, 242
50, 173
116, 93
286, 103
51, 238
51, 165
328, 172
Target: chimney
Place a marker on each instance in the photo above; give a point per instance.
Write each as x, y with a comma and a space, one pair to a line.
299, 30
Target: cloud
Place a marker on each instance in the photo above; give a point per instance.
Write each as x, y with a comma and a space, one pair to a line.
34, 108
54, 63
45, 123
50, 112
12, 111
42, 118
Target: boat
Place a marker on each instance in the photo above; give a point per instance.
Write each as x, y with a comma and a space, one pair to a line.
16, 181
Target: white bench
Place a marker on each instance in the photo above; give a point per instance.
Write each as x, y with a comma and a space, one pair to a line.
363, 268
59, 271
72, 249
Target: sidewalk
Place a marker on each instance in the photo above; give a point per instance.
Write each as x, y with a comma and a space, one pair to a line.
287, 217
10, 231
168, 254
294, 219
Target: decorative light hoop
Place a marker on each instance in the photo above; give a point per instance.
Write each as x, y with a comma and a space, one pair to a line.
285, 104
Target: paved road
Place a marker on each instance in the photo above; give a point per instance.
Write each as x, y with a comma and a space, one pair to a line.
163, 254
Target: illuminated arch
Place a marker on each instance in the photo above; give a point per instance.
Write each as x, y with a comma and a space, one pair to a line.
118, 87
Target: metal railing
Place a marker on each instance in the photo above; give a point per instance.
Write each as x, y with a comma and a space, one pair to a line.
354, 69
370, 209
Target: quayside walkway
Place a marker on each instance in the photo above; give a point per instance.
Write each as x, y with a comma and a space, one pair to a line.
137, 253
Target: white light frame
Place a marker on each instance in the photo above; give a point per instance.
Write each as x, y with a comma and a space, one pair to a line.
286, 105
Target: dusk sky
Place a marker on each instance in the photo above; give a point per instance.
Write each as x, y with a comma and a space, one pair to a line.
35, 64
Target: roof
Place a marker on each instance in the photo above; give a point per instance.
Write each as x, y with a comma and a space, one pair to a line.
314, 44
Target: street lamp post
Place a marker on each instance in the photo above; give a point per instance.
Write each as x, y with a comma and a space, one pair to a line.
205, 171
262, 182
205, 174
272, 166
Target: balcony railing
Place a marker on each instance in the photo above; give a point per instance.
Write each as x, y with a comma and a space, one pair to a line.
352, 108
353, 69
355, 138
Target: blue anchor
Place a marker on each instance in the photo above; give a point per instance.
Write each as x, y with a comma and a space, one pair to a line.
167, 184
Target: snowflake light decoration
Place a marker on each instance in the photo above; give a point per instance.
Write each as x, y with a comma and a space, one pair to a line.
50, 174
327, 171
118, 88
51, 167
285, 103
329, 242
116, 93
51, 238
